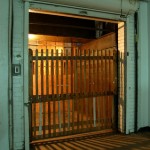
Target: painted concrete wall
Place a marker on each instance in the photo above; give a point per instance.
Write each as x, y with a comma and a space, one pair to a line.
130, 75
143, 66
128, 7
18, 96
4, 71
149, 64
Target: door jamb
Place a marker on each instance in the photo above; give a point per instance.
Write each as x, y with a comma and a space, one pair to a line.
26, 75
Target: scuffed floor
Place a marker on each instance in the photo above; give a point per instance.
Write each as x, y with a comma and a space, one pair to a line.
140, 141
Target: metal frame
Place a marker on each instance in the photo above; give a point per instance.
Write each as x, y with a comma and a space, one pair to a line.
26, 75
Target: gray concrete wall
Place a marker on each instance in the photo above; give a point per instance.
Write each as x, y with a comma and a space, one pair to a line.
143, 66
4, 72
149, 62
18, 84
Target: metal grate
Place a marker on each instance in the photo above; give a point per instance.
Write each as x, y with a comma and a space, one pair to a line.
71, 91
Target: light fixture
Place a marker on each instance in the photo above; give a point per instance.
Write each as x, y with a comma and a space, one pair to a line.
31, 36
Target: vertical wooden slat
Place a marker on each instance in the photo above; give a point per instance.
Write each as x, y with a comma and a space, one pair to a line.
85, 89
72, 89
44, 92
105, 90
108, 97
62, 86
57, 91
76, 89
90, 89
94, 111
37, 90
67, 86
47, 92
41, 104
94, 90
52, 83
98, 86
81, 90
96, 73
114, 103
109, 87
43, 87
102, 88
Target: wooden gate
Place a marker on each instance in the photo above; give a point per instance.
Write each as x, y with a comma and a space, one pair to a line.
71, 91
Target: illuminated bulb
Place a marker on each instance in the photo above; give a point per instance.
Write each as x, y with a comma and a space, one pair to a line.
31, 36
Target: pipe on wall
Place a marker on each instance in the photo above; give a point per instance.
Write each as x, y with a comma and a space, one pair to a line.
115, 6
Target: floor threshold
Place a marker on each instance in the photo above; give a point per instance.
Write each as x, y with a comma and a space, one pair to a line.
75, 136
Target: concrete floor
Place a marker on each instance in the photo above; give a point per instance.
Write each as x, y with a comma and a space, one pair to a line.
139, 141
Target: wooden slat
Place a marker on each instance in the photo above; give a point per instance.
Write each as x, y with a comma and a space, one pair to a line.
70, 96
37, 88
105, 89
42, 93
102, 89
70, 57
52, 83
85, 90
109, 88
114, 113
67, 86
57, 91
41, 104
94, 90
81, 91
47, 92
72, 89
62, 87
98, 87
90, 89
96, 72
57, 127
76, 90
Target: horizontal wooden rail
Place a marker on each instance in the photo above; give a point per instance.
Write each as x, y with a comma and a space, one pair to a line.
52, 97
72, 57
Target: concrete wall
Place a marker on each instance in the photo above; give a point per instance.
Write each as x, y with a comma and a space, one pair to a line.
4, 72
18, 96
130, 75
143, 66
149, 63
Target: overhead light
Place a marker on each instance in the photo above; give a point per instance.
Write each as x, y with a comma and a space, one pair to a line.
31, 36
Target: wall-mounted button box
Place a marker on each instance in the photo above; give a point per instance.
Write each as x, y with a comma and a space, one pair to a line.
16, 69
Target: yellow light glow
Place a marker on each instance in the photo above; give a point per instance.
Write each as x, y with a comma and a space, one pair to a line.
31, 36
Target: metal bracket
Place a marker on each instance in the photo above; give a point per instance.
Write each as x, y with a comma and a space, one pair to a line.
27, 104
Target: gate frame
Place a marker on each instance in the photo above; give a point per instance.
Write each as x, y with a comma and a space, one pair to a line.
73, 11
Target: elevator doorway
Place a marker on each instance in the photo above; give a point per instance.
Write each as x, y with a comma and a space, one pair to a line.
73, 82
